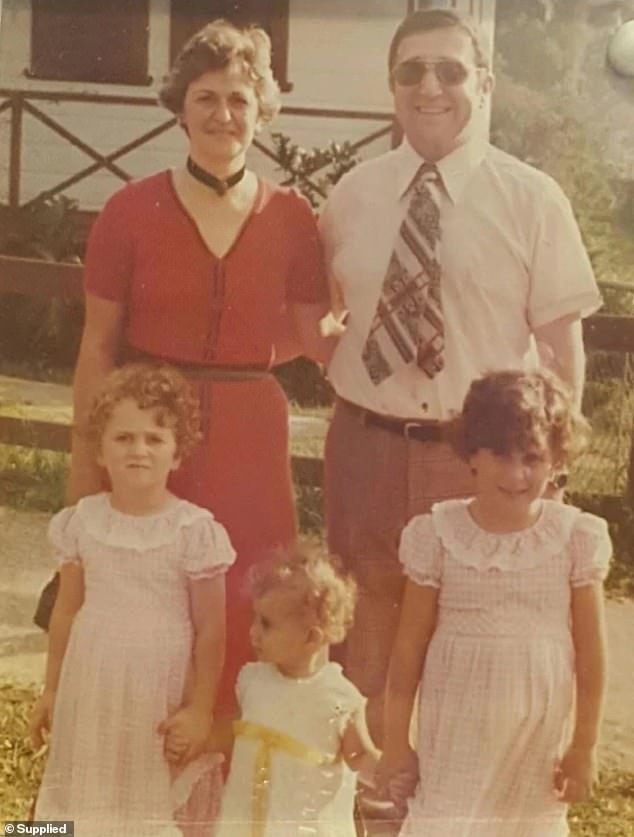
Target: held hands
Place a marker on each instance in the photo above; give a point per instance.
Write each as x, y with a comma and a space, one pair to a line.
575, 774
42, 718
397, 774
186, 733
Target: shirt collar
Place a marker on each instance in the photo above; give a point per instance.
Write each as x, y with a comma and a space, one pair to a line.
455, 169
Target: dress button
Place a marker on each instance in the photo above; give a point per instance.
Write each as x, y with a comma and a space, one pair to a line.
424, 406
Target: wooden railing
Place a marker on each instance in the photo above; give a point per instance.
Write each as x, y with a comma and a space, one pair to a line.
21, 102
53, 279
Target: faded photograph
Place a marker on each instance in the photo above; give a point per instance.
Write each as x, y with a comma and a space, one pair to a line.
317, 417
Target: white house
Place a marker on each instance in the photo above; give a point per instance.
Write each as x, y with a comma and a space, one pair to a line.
78, 81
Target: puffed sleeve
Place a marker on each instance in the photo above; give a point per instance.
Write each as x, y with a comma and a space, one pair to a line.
348, 702
591, 550
306, 281
109, 263
63, 535
420, 552
207, 549
246, 676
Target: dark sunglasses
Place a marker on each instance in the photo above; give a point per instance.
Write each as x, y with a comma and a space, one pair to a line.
448, 72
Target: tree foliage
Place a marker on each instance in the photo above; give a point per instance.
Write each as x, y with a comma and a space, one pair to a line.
540, 116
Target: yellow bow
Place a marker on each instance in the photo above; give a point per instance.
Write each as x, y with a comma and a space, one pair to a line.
269, 740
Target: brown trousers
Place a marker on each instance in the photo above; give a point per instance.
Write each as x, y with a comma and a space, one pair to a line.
375, 482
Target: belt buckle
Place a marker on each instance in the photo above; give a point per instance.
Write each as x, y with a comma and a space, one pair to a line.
408, 427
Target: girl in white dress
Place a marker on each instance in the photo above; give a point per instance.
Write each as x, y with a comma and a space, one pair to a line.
302, 728
502, 618
136, 639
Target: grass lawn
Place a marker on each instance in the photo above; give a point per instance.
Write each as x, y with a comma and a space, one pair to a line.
610, 814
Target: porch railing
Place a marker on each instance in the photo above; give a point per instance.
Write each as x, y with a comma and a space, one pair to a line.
21, 102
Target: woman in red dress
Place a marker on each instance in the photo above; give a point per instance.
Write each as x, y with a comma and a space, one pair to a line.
220, 273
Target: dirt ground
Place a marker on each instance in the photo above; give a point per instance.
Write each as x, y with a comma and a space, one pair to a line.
25, 567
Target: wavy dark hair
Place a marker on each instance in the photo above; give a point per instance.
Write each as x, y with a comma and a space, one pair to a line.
515, 410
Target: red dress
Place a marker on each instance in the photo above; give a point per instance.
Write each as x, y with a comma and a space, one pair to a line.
185, 304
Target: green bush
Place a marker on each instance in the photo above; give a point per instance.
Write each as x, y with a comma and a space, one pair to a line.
47, 332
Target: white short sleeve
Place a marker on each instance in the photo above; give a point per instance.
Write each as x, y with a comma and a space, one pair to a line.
420, 552
207, 548
562, 280
591, 550
63, 535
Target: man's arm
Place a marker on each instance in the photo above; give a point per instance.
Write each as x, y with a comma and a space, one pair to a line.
560, 346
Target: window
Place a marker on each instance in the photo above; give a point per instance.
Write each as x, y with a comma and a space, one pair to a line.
188, 16
84, 40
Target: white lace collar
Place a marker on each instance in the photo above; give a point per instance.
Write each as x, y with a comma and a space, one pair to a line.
139, 532
474, 547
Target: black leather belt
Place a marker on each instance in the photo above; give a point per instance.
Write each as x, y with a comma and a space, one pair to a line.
419, 430
200, 371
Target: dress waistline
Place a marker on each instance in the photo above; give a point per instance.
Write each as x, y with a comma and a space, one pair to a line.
199, 371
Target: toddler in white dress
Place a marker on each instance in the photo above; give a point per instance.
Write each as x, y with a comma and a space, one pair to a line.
502, 620
302, 728
136, 638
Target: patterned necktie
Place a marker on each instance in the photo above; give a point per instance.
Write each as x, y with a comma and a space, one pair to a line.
408, 323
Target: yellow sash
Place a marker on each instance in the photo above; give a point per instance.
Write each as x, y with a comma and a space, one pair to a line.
268, 741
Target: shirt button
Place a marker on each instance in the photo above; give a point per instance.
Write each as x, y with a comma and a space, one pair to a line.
425, 406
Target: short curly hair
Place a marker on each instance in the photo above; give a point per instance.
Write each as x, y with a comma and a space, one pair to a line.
214, 47
516, 410
158, 388
323, 595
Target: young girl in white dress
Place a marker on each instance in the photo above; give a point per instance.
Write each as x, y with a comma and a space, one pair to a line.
502, 618
302, 728
136, 640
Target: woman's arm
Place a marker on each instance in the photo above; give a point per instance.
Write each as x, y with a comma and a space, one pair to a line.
69, 599
416, 627
97, 356
189, 727
576, 772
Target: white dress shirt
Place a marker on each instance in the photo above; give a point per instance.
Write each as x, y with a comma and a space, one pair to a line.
512, 260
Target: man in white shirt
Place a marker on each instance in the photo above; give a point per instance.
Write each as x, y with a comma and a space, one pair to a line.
515, 282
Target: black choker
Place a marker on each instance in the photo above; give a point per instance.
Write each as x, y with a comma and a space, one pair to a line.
219, 186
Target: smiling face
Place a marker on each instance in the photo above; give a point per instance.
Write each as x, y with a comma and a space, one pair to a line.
220, 114
512, 482
436, 117
279, 634
137, 452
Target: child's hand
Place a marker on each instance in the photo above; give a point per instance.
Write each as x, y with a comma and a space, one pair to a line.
186, 733
42, 717
397, 772
575, 774
331, 326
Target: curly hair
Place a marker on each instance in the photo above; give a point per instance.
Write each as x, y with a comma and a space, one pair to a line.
322, 594
515, 410
158, 388
214, 47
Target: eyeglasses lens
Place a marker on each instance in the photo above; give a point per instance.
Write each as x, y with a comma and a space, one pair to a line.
449, 73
